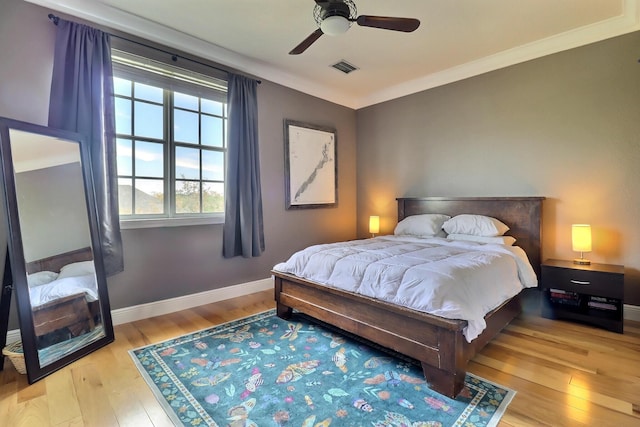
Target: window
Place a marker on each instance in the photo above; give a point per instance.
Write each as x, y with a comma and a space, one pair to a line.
171, 133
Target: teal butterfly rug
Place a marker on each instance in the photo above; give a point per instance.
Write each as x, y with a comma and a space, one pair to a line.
265, 371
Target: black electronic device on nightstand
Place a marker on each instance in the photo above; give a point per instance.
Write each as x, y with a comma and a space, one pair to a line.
591, 293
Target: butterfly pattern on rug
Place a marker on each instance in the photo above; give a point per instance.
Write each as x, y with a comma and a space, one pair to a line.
266, 371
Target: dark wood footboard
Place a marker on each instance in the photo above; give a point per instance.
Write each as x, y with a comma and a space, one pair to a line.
437, 343
70, 312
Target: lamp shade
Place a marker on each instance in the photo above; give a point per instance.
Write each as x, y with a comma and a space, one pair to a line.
581, 237
374, 224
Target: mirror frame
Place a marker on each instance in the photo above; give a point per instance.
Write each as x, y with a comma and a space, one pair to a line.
16, 251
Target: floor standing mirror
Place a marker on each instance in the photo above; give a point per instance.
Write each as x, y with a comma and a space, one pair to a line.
53, 248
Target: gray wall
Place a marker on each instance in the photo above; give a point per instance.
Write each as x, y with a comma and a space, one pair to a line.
164, 263
53, 211
566, 126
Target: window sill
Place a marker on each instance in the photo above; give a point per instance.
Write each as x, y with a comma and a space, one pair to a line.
129, 224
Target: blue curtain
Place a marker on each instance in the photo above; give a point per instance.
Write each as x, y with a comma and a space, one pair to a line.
243, 226
82, 101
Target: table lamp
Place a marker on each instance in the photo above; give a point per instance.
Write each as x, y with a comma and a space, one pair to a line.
374, 225
581, 242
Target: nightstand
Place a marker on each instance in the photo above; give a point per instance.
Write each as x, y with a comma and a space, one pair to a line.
591, 294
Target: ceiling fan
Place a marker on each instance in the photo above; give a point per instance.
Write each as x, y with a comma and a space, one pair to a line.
334, 17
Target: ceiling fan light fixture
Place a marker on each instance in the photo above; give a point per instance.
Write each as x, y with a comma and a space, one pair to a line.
334, 17
335, 25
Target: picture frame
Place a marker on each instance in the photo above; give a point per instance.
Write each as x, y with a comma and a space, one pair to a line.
311, 179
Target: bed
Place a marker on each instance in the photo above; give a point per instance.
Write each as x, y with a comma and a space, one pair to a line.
437, 343
63, 293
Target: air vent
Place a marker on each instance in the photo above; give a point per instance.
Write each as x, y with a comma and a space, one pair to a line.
344, 66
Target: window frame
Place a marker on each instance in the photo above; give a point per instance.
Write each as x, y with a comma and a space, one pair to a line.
217, 93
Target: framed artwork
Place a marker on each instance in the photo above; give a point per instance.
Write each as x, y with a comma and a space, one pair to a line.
310, 166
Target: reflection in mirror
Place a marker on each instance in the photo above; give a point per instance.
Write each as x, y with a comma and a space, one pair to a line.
56, 243
56, 260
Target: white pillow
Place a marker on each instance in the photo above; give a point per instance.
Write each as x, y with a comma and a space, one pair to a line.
501, 240
476, 225
424, 225
81, 268
41, 278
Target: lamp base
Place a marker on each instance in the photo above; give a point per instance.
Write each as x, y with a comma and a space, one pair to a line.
581, 261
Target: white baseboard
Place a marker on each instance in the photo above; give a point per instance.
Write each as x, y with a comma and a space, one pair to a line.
13, 336
632, 312
159, 308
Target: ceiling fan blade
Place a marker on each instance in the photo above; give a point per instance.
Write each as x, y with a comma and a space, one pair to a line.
406, 25
306, 42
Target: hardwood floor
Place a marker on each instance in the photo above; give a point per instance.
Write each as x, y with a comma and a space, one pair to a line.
565, 374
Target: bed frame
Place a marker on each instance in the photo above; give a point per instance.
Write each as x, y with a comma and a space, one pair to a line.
435, 342
56, 262
74, 311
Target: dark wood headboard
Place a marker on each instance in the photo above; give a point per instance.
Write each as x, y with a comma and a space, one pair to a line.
523, 215
56, 262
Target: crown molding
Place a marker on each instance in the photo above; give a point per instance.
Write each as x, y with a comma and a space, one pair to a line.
102, 14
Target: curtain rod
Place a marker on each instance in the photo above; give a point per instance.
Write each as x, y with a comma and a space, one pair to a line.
174, 57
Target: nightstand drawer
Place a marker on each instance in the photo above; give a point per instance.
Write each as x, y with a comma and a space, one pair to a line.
584, 282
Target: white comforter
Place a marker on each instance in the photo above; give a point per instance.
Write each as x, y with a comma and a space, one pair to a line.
451, 279
40, 295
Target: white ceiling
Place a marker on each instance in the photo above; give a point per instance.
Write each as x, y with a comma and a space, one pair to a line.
456, 39
31, 151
